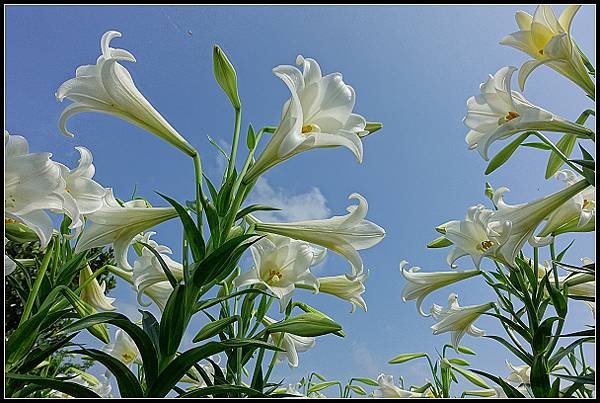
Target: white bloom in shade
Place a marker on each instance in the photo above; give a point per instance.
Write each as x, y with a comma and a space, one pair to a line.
9, 265
419, 285
33, 183
123, 349
341, 234
548, 41
498, 113
458, 319
279, 264
475, 236
526, 217
193, 376
319, 114
292, 389
101, 388
576, 215
94, 292
117, 225
387, 389
520, 374
345, 288
291, 343
147, 270
88, 194
107, 87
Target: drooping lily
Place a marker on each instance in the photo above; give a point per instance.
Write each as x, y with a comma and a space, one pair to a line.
107, 87
578, 214
291, 343
118, 225
419, 285
33, 183
526, 217
498, 113
101, 388
319, 114
147, 270
548, 41
94, 292
343, 287
520, 374
388, 389
458, 319
279, 264
341, 234
123, 349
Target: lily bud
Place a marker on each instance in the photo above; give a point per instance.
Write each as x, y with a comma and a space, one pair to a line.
226, 76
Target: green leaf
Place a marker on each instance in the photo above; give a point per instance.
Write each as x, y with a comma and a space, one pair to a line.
142, 340
128, 383
100, 331
524, 356
70, 388
39, 354
306, 325
192, 234
252, 208
151, 327
504, 154
214, 328
174, 321
226, 76
538, 145
399, 359
566, 145
558, 299
23, 338
67, 271
205, 304
509, 390
358, 389
173, 372
564, 351
583, 379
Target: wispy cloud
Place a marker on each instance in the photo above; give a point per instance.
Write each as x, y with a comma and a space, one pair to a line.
294, 207
364, 359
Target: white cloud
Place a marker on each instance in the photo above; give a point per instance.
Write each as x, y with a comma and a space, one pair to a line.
363, 357
311, 205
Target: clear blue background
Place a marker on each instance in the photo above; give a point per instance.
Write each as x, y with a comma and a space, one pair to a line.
413, 68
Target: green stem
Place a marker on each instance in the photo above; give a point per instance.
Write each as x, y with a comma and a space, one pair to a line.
199, 195
558, 152
37, 283
234, 145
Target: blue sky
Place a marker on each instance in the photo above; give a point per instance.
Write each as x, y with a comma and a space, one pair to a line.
412, 67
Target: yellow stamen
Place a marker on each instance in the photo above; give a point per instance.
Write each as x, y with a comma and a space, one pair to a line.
588, 203
9, 221
485, 245
508, 117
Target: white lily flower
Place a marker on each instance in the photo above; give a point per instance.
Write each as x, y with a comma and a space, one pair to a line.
520, 374
123, 349
107, 87
318, 115
88, 194
33, 183
117, 225
458, 319
147, 270
101, 388
526, 217
94, 292
387, 389
576, 215
548, 41
9, 265
498, 113
279, 264
194, 376
475, 236
341, 234
419, 285
345, 288
292, 389
291, 343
